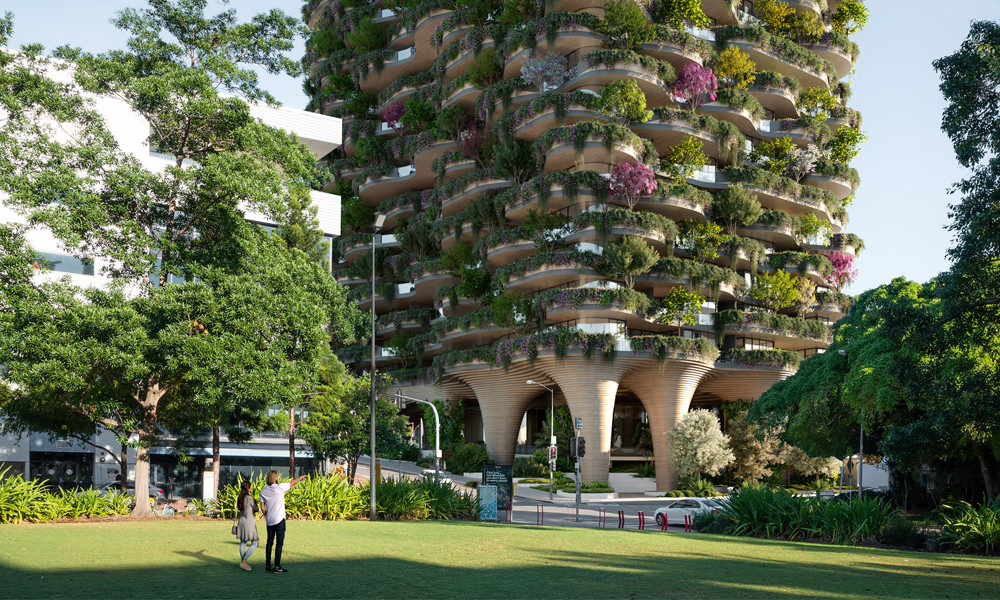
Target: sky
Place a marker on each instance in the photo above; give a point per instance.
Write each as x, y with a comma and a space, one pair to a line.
906, 167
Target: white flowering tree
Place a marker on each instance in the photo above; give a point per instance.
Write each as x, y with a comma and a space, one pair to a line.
699, 446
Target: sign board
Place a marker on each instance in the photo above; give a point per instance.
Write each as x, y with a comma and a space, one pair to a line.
487, 503
502, 476
579, 422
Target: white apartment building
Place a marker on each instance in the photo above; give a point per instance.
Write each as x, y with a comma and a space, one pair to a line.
71, 463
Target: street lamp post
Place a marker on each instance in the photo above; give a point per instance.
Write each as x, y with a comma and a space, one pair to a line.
552, 427
437, 435
379, 222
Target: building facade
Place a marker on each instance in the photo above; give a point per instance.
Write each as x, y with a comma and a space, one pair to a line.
515, 210
73, 463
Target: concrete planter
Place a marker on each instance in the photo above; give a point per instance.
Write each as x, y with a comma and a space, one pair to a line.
625, 482
588, 496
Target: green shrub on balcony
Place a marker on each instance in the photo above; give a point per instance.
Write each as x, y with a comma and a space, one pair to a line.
609, 134
608, 58
770, 79
570, 259
781, 324
558, 102
783, 47
772, 358
742, 101
730, 139
575, 298
678, 38
700, 274
803, 194
820, 263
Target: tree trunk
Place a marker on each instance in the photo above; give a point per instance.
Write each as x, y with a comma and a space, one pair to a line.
987, 475
291, 442
147, 435
216, 462
123, 464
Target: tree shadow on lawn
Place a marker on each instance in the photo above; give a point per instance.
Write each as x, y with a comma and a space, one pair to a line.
494, 561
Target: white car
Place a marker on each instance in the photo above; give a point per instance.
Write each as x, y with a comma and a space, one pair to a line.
675, 511
445, 477
109, 488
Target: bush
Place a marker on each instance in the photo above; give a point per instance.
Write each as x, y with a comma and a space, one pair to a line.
972, 529
529, 467
762, 511
902, 532
467, 458
35, 501
710, 522
410, 453
485, 69
646, 470
332, 498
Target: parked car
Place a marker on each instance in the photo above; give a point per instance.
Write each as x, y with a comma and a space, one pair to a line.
445, 476
675, 511
109, 488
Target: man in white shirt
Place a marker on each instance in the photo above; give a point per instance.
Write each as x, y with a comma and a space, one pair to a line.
272, 498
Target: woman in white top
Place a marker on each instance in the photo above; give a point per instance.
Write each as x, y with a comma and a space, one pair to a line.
273, 499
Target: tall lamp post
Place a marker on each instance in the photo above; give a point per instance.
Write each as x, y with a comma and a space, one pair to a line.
552, 427
379, 222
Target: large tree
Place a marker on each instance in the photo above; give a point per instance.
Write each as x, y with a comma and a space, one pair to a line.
246, 318
338, 425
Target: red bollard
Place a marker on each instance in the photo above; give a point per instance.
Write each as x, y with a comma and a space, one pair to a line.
621, 519
602, 517
642, 520
539, 514
663, 522
510, 510
687, 523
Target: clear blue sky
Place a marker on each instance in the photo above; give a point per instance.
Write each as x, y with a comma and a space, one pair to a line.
906, 166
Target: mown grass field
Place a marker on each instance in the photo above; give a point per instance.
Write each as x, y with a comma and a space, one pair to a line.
174, 559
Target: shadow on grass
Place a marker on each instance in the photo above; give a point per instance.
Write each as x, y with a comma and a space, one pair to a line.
512, 562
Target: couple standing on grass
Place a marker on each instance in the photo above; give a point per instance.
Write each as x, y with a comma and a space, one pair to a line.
273, 499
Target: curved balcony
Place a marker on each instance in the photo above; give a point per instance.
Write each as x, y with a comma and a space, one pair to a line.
399, 180
457, 66
768, 60
466, 95
566, 42
402, 94
456, 170
466, 234
386, 16
542, 122
671, 52
599, 75
720, 10
461, 199
665, 133
509, 252
558, 199
464, 306
840, 186
564, 156
837, 56
807, 270
549, 276
831, 311
787, 333
661, 284
590, 235
795, 204
352, 253
673, 206
781, 235
779, 100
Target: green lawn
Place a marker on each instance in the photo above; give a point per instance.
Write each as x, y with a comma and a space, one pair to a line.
197, 559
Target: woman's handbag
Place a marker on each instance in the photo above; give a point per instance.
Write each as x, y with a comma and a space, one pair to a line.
236, 522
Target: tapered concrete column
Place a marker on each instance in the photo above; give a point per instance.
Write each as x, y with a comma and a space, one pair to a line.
590, 386
666, 390
503, 398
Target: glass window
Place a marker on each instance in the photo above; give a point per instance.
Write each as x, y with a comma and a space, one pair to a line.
62, 263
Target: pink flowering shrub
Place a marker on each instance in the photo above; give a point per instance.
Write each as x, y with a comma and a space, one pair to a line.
692, 82
844, 271
629, 183
394, 115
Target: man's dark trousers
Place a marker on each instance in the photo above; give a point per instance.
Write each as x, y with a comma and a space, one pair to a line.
272, 532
